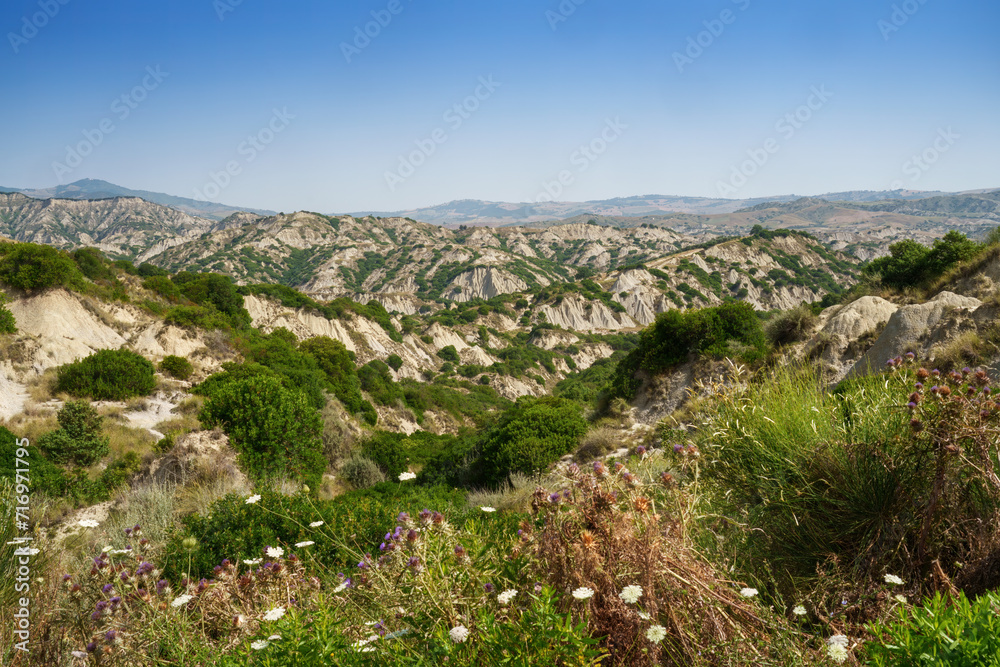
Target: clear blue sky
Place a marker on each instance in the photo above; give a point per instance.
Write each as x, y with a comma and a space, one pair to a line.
891, 87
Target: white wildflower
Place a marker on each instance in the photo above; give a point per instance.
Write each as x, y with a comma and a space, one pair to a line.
459, 634
901, 599
893, 579
307, 543
488, 509
407, 476
275, 552
631, 594
181, 600
259, 645
274, 614
343, 585
837, 653
644, 616
799, 610
506, 596
656, 633
316, 524
89, 523
274, 638
583, 593
252, 500
748, 592
252, 561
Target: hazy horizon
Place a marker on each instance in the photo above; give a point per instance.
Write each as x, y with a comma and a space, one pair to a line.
578, 100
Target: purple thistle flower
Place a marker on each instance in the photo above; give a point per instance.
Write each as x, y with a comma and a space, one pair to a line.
459, 551
107, 588
640, 450
403, 517
489, 588
110, 636
91, 647
425, 515
413, 562
678, 448
554, 498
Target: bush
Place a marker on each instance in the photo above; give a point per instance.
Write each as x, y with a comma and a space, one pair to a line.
910, 264
78, 440
790, 326
32, 267
395, 362
177, 367
334, 360
108, 375
276, 431
449, 353
529, 437
8, 324
361, 472
597, 443
92, 264
377, 381
943, 631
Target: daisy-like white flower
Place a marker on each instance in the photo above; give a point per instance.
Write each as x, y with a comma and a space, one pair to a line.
631, 594
644, 616
274, 552
893, 579
901, 599
799, 610
459, 634
316, 524
259, 645
307, 543
506, 596
837, 652
252, 561
748, 592
274, 638
583, 593
488, 509
837, 640
656, 633
252, 500
274, 614
407, 476
181, 600
88, 523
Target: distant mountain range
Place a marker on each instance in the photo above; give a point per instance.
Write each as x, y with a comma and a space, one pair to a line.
89, 188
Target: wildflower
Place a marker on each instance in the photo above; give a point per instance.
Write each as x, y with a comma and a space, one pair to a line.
459, 634
344, 585
678, 448
893, 579
666, 478
599, 468
640, 450
901, 599
181, 600
488, 587
748, 592
162, 586
259, 645
644, 616
111, 636
307, 543
403, 517
274, 638
554, 498
656, 633
506, 596
189, 543
488, 509
588, 540
252, 561
89, 523
425, 515
274, 552
459, 551
583, 593
107, 588
407, 476
631, 594
91, 647
641, 504
252, 500
274, 614
799, 610
316, 524
837, 648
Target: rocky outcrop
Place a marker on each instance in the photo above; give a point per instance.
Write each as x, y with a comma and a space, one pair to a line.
483, 282
575, 312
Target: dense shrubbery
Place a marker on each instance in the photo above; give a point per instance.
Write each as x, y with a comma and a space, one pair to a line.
791, 325
78, 439
335, 361
529, 437
910, 264
178, 367
276, 431
108, 375
361, 472
728, 329
32, 267
8, 324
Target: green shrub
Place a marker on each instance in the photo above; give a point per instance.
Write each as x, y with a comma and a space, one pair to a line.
790, 326
78, 439
335, 361
449, 353
395, 362
944, 630
108, 375
910, 264
275, 430
529, 437
162, 285
92, 264
8, 324
361, 472
177, 367
33, 267
376, 379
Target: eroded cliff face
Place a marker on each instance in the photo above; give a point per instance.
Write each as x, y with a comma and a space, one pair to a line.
483, 282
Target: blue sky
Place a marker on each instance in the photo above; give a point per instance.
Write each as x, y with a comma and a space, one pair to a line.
282, 105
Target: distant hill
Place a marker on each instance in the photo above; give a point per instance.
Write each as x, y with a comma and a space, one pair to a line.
89, 188
479, 212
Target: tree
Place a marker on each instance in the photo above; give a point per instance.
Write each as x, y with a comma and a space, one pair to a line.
276, 431
449, 353
78, 440
32, 267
